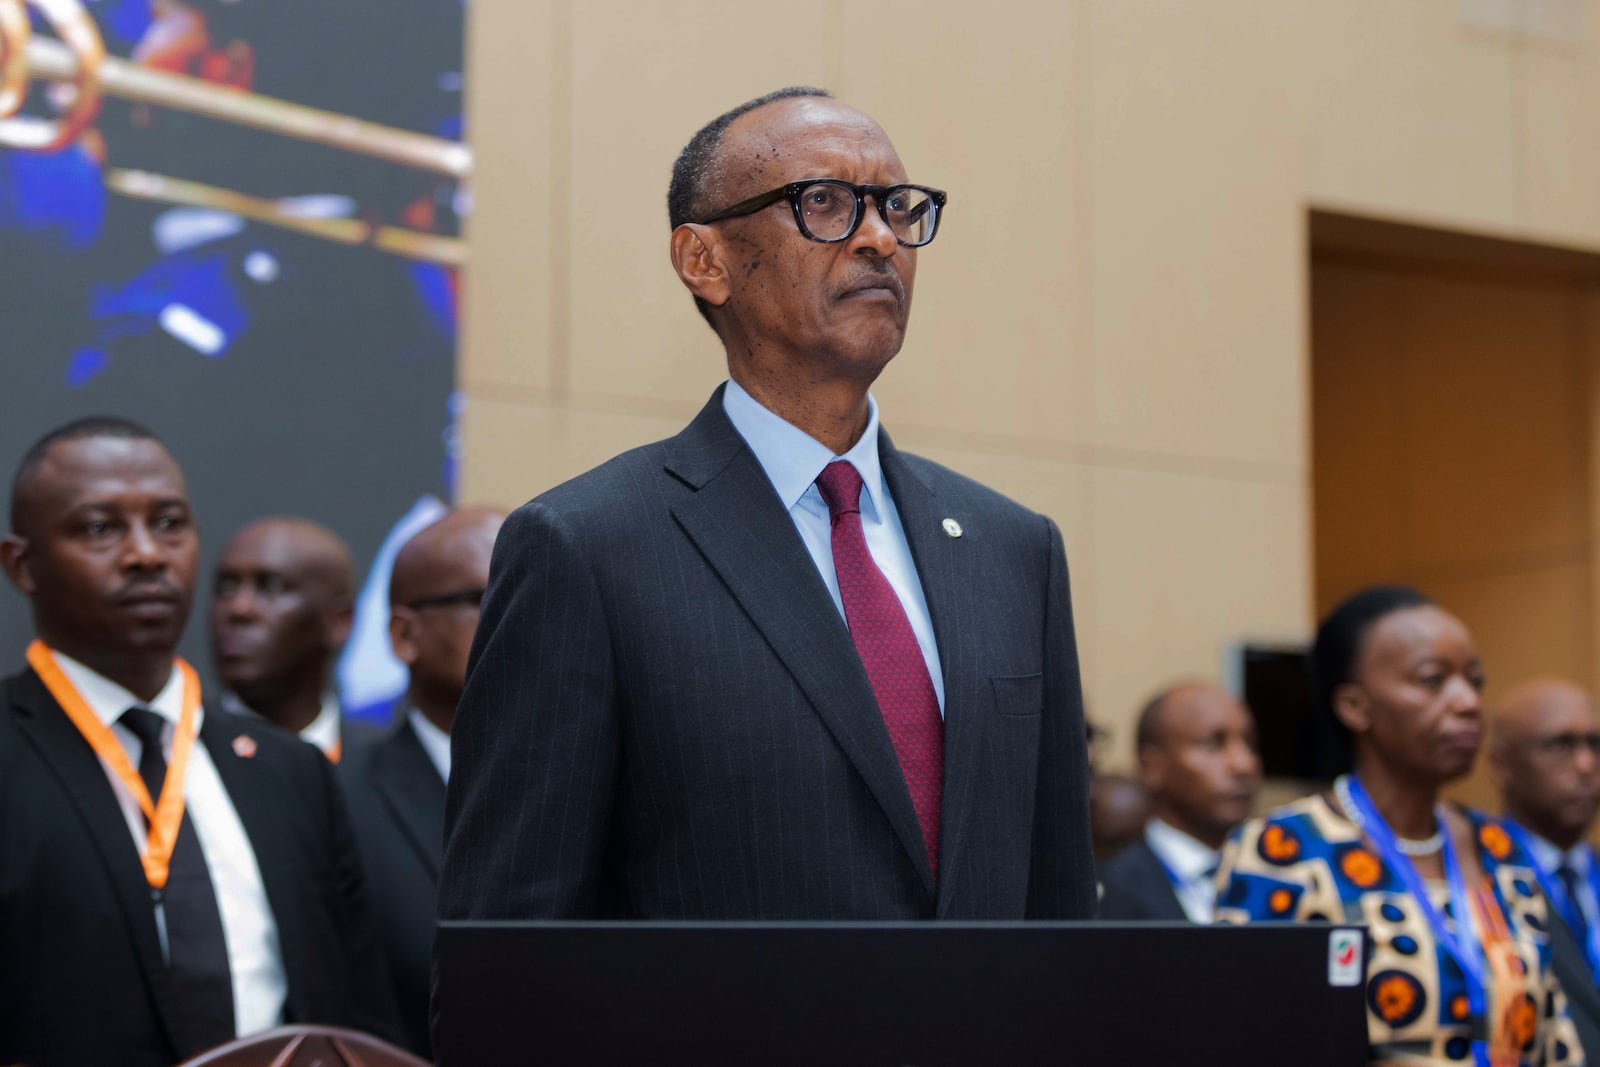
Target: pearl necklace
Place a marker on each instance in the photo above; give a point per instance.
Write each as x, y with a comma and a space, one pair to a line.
1410, 846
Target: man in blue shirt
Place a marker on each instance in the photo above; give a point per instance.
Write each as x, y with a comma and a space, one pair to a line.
1545, 758
774, 668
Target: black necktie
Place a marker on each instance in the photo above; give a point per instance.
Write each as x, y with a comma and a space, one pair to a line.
198, 978
1569, 879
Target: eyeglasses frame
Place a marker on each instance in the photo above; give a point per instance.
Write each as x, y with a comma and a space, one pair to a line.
792, 191
473, 596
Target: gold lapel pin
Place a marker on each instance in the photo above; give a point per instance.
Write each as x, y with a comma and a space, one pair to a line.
952, 528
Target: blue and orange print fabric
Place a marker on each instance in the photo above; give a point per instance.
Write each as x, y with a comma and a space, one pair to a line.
1307, 863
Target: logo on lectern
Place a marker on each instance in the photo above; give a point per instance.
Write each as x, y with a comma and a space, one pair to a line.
1344, 958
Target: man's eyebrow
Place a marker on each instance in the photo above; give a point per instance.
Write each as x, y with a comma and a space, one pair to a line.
90, 505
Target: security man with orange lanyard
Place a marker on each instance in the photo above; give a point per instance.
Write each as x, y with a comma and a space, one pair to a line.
172, 876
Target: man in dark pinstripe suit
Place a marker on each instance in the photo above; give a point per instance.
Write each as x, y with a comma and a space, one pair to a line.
709, 683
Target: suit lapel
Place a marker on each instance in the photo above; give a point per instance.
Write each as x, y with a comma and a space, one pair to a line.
258, 795
738, 523
80, 772
409, 783
951, 599
1161, 896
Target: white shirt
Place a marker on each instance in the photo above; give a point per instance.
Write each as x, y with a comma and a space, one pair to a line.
1193, 864
1579, 857
249, 930
792, 459
435, 742
324, 729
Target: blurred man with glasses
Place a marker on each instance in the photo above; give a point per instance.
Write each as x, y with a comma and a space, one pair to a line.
1545, 758
773, 667
395, 786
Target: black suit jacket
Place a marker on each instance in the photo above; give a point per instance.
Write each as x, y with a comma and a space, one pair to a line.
665, 716
1137, 888
81, 977
357, 734
1583, 996
396, 801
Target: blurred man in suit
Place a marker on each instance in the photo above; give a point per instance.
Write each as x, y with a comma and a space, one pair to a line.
1545, 758
173, 875
1198, 762
281, 608
395, 787
774, 668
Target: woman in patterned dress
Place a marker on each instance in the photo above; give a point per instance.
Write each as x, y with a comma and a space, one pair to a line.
1401, 677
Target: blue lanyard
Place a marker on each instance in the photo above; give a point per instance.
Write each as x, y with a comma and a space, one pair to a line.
1461, 945
1554, 889
1172, 876
1179, 882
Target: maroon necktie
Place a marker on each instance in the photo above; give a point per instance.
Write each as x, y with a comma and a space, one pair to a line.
889, 651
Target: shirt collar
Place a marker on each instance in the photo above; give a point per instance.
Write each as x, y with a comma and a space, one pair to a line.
1550, 856
1189, 859
435, 742
793, 458
324, 729
108, 700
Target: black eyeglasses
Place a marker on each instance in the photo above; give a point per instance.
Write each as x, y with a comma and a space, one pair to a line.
455, 597
829, 210
1566, 746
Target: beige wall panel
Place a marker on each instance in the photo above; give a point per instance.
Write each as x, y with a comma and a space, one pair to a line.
1196, 201
1498, 445
505, 328
1524, 624
1358, 429
645, 76
1054, 487
1411, 114
515, 451
999, 327
1561, 141
1184, 565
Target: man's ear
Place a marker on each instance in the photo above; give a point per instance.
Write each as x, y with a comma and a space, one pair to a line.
15, 557
1499, 764
403, 635
338, 621
1152, 769
697, 257
1353, 707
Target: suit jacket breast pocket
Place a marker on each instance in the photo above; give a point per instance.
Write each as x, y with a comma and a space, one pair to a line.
1019, 694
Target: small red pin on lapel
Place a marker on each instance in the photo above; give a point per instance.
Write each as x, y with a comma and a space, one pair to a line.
244, 746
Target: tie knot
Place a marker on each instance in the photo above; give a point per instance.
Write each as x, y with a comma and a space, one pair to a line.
145, 724
840, 485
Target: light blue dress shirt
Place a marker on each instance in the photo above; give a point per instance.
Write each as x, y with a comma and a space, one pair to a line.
792, 460
1579, 857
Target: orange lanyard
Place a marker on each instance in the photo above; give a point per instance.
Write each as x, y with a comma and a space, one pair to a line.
166, 815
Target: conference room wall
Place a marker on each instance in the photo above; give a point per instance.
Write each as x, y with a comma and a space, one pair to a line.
1112, 327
